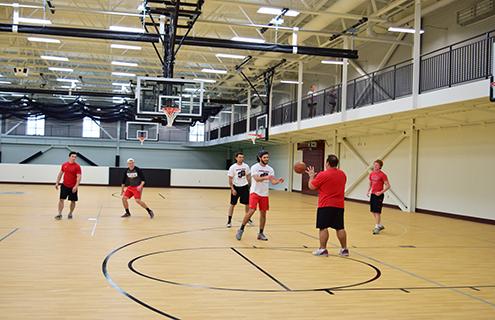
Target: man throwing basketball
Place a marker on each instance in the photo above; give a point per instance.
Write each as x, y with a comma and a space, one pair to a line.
262, 174
239, 177
330, 214
134, 179
378, 185
72, 177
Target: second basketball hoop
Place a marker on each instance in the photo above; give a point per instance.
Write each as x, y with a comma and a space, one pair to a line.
171, 107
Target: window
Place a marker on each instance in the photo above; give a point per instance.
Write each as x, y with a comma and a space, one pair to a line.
197, 133
91, 128
35, 126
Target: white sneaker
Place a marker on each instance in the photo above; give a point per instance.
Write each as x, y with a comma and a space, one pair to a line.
321, 252
229, 225
344, 252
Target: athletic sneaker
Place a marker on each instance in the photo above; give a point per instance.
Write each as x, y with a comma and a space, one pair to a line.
378, 228
125, 215
229, 225
262, 237
321, 252
250, 222
344, 252
239, 233
151, 214
58, 217
69, 216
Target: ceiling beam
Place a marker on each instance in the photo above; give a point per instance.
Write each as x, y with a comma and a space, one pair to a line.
191, 41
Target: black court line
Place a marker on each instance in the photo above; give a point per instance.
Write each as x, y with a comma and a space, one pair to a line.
9, 234
260, 269
161, 195
408, 289
133, 269
329, 292
440, 285
104, 268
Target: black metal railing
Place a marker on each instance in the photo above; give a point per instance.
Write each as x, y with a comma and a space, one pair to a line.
462, 62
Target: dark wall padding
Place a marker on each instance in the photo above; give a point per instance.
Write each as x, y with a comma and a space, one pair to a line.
154, 177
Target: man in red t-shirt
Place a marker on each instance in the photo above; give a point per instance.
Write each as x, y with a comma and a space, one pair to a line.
378, 185
72, 177
330, 214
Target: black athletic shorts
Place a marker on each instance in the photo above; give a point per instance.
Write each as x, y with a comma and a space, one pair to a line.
376, 203
330, 217
67, 193
242, 193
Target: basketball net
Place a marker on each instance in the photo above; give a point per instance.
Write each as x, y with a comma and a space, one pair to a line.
141, 139
171, 113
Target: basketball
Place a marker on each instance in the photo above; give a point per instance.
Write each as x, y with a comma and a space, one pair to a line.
299, 167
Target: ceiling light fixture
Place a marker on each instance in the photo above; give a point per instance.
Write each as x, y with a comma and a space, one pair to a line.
45, 40
54, 58
214, 71
230, 56
125, 64
245, 39
404, 30
276, 12
124, 47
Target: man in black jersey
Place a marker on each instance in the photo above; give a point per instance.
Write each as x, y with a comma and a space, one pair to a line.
134, 179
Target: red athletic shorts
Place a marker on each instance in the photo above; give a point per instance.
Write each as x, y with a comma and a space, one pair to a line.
255, 200
132, 192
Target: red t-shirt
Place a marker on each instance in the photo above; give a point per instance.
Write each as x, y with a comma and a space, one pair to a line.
377, 179
331, 186
70, 170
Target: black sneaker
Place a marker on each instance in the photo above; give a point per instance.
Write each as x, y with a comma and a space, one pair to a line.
58, 217
69, 216
152, 215
125, 215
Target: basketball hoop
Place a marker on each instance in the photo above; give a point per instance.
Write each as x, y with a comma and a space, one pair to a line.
141, 135
171, 113
253, 137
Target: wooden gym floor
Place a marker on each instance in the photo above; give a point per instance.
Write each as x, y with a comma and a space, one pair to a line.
185, 264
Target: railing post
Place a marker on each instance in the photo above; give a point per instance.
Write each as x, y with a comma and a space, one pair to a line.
395, 81
354, 95
373, 88
324, 101
450, 66
488, 49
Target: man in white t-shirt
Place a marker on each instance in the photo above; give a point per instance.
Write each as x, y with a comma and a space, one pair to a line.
262, 174
239, 177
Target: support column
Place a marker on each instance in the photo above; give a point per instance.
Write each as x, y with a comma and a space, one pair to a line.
345, 66
335, 144
413, 167
291, 165
208, 130
248, 112
232, 120
117, 156
299, 93
270, 106
416, 53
